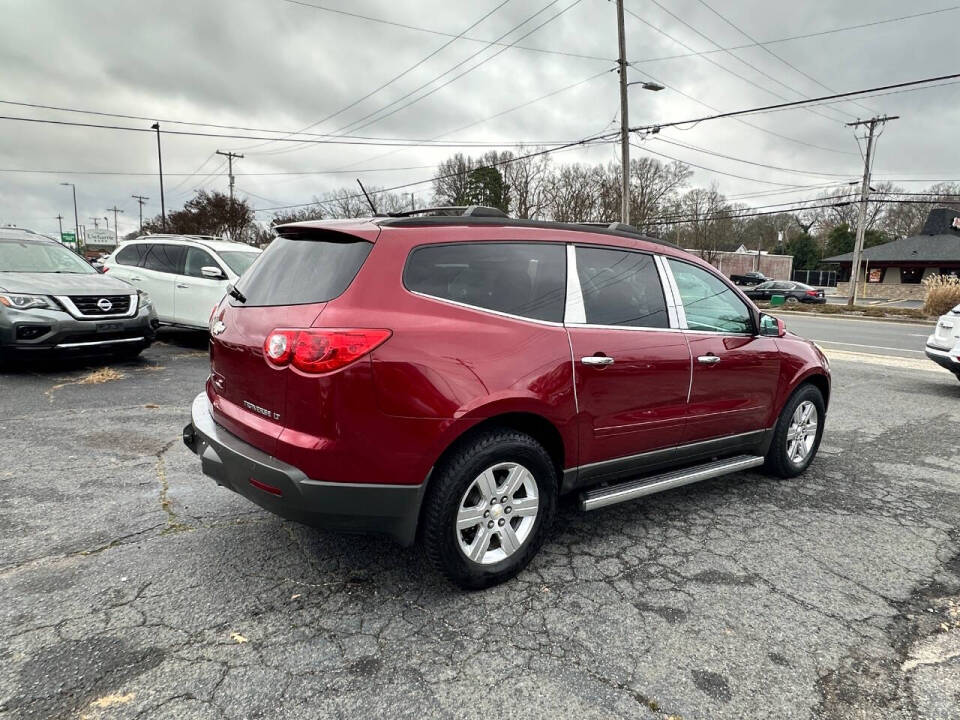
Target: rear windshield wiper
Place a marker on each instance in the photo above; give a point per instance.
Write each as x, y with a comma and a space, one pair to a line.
234, 293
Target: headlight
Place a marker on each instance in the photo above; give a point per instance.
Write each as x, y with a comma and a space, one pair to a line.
25, 302
144, 298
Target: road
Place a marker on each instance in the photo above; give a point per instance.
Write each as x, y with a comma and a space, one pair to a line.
904, 340
131, 586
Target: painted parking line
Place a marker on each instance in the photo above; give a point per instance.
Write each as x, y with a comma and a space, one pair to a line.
871, 347
923, 365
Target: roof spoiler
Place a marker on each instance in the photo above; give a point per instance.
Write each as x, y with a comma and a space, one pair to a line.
452, 211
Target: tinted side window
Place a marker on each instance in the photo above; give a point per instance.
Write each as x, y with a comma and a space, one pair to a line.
709, 303
196, 259
131, 254
518, 278
164, 258
621, 288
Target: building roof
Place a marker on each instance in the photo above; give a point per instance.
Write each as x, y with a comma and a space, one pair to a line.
938, 242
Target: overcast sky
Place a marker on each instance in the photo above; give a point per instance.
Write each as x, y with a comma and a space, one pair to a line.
276, 64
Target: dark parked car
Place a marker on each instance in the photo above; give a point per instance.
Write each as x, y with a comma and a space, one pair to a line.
446, 379
750, 278
52, 299
793, 292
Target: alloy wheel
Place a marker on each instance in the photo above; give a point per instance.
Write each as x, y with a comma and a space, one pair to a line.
802, 432
497, 513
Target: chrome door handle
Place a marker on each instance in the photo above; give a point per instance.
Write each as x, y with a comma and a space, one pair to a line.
597, 360
708, 359
182, 286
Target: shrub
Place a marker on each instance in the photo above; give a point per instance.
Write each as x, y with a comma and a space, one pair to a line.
943, 294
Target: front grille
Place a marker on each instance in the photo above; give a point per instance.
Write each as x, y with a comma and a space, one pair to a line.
88, 304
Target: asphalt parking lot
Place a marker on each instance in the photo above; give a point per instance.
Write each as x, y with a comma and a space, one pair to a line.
131, 586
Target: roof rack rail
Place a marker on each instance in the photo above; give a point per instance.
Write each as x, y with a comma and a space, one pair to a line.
452, 211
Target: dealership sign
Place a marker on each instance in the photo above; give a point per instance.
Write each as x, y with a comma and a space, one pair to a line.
100, 237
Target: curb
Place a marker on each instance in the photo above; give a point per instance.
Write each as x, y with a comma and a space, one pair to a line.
862, 318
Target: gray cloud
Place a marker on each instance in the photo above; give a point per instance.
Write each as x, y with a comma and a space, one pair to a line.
269, 63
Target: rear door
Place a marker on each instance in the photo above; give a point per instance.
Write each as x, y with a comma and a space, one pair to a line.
632, 370
735, 371
195, 294
287, 287
159, 269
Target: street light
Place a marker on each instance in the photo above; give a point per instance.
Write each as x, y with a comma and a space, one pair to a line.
625, 139
652, 86
76, 218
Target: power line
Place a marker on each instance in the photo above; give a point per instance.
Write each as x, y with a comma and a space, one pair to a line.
714, 170
795, 103
446, 34
124, 116
770, 52
399, 75
579, 143
803, 36
751, 162
711, 60
360, 123
339, 140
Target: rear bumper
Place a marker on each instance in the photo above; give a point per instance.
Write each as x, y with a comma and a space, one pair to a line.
944, 359
286, 491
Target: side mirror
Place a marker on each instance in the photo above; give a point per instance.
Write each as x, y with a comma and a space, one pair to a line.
209, 271
771, 326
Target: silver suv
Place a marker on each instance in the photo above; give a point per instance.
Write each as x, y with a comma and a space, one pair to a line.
52, 299
943, 345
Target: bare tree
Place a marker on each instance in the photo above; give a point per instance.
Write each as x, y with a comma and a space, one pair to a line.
654, 186
706, 222
572, 194
528, 179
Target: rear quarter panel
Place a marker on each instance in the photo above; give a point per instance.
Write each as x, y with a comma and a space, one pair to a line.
447, 367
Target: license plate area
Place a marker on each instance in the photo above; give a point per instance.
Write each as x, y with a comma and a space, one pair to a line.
109, 327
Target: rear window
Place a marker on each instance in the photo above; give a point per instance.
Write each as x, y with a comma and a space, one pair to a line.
522, 279
297, 271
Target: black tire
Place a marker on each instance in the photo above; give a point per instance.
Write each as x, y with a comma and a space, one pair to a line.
452, 480
778, 460
792, 300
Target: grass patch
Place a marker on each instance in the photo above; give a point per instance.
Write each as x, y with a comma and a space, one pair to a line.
872, 311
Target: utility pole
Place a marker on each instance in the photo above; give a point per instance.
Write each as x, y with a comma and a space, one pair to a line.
624, 122
230, 156
60, 223
76, 216
163, 210
96, 223
413, 204
141, 199
115, 209
872, 124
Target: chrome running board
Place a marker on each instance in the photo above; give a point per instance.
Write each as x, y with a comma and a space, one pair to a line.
631, 489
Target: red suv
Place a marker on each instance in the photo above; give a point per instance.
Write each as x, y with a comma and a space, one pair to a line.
445, 378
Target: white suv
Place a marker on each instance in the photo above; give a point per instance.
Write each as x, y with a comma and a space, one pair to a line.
185, 275
943, 346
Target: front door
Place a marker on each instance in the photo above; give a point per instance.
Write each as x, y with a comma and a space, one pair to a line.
735, 371
196, 294
632, 371
158, 273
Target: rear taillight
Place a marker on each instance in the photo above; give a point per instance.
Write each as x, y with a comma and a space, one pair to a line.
813, 293
318, 351
104, 269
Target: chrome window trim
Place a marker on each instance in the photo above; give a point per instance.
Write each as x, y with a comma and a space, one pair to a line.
719, 278
574, 310
73, 310
576, 314
467, 306
675, 292
674, 304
